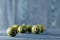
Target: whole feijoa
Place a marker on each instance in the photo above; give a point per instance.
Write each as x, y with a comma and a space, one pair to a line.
35, 29
22, 28
41, 27
29, 27
11, 31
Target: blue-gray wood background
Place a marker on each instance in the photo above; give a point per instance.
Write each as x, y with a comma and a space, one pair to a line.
32, 12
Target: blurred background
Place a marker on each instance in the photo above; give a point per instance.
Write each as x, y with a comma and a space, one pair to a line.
32, 12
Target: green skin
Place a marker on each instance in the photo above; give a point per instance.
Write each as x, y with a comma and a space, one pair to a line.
41, 27
22, 28
35, 29
16, 27
29, 28
11, 31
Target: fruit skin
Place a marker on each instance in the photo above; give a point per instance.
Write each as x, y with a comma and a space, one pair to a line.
35, 29
11, 31
29, 27
41, 27
16, 27
22, 28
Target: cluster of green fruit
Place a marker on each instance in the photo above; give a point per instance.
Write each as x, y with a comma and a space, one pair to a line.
35, 29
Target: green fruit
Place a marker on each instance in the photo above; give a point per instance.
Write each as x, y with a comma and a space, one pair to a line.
35, 29
29, 28
11, 31
22, 28
16, 27
41, 27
